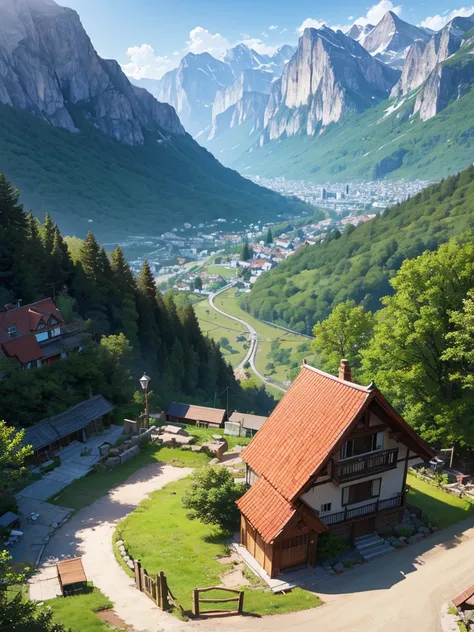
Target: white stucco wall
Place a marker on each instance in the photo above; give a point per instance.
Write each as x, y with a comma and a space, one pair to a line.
391, 483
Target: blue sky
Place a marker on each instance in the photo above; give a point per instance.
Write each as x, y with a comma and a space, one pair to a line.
149, 37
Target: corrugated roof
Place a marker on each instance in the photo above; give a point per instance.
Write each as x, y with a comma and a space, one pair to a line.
303, 428
266, 509
252, 422
196, 413
75, 418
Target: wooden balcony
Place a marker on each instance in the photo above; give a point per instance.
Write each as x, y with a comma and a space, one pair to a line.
361, 466
365, 510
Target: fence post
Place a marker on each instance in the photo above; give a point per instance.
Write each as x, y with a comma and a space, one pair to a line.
138, 578
241, 602
164, 591
196, 602
159, 592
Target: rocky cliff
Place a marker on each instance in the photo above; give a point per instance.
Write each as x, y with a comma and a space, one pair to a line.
391, 39
49, 67
424, 57
329, 76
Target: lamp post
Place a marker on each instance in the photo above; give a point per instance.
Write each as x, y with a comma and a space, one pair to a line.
144, 384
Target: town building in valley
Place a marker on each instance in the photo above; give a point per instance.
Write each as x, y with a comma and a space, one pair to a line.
333, 456
36, 334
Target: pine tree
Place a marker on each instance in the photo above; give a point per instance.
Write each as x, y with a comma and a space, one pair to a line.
13, 236
93, 301
123, 302
47, 234
149, 333
245, 252
269, 237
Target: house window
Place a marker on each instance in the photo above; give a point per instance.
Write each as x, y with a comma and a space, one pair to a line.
325, 507
11, 331
362, 445
360, 492
42, 336
41, 326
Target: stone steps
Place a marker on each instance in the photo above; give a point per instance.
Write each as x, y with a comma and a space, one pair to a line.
372, 546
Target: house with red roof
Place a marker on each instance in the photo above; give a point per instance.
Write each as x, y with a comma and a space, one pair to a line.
36, 334
333, 456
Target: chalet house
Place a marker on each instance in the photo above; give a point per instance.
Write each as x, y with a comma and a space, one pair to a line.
36, 334
243, 424
333, 456
197, 415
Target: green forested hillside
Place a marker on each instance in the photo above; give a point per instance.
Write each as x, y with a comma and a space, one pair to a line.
125, 190
359, 263
383, 141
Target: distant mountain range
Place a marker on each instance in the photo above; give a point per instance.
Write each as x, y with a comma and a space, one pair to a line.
390, 99
79, 140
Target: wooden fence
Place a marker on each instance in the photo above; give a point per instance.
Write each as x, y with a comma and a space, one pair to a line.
155, 587
197, 600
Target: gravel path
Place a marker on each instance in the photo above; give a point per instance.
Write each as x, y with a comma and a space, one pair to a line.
89, 535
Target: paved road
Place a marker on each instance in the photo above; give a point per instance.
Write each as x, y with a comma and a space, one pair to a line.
253, 347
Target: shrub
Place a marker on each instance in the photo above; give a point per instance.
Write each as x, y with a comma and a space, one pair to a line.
212, 497
329, 546
405, 532
440, 479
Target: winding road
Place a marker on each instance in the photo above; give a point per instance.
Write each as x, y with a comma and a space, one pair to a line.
251, 354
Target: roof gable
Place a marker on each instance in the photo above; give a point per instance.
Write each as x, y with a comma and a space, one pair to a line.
27, 318
310, 422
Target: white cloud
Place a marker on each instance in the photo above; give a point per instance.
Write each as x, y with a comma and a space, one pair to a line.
202, 41
310, 23
436, 22
263, 34
377, 11
259, 46
283, 31
144, 63
273, 27
350, 18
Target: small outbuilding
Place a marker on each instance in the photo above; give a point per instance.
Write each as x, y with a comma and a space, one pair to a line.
243, 424
71, 576
196, 415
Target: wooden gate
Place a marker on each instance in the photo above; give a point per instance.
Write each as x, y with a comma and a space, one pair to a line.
155, 587
197, 600
294, 551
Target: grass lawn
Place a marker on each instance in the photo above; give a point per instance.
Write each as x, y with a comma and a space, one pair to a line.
159, 534
441, 508
226, 273
227, 301
86, 490
218, 326
205, 434
78, 613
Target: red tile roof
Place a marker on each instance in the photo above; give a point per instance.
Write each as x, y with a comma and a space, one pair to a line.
25, 349
303, 428
27, 318
266, 510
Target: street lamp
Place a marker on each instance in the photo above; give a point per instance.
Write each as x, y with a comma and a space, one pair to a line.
144, 380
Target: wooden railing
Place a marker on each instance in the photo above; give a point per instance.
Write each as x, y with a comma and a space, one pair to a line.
197, 600
361, 466
365, 510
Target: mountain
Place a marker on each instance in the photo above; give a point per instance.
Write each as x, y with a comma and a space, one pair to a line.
359, 264
359, 32
82, 142
191, 88
391, 39
200, 79
424, 57
50, 68
329, 77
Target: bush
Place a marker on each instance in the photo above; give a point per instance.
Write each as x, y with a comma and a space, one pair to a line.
212, 496
440, 479
329, 546
405, 532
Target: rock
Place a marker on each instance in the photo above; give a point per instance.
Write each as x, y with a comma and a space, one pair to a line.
112, 463
46, 539
424, 530
415, 538
119, 543
468, 616
122, 549
114, 452
434, 529
130, 564
55, 525
339, 567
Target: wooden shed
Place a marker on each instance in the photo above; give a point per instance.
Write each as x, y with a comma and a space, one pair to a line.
279, 535
71, 576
